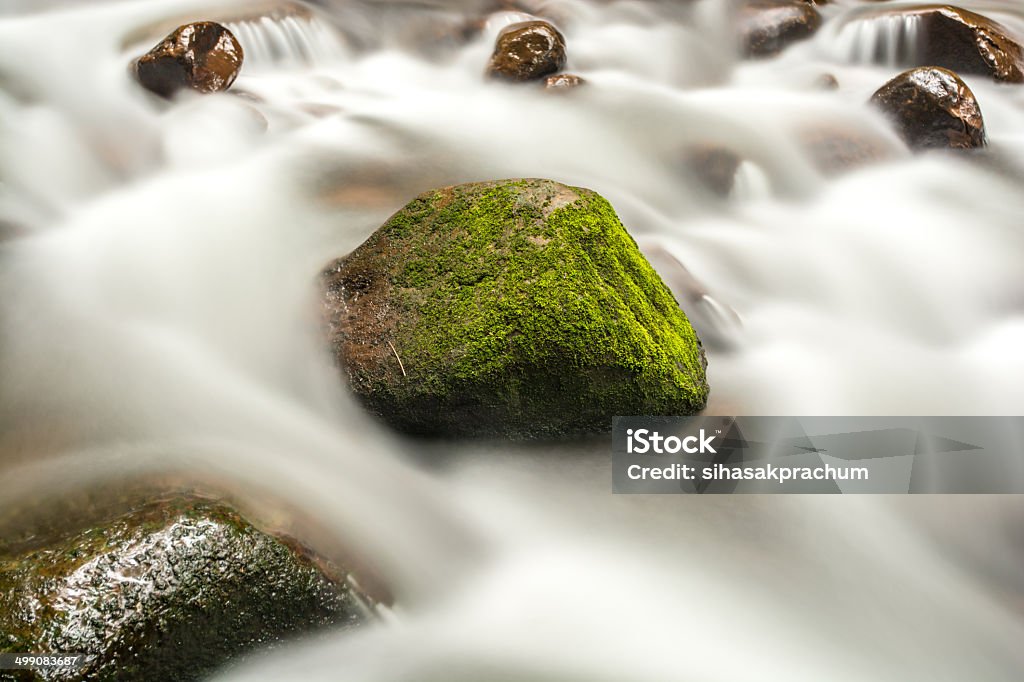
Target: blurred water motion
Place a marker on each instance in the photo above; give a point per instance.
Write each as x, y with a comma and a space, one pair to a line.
160, 321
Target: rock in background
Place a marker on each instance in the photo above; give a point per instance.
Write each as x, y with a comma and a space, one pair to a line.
203, 56
766, 27
527, 51
964, 41
932, 108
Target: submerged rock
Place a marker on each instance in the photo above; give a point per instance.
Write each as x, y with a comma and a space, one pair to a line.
717, 324
516, 308
713, 166
9, 230
767, 27
202, 56
168, 592
826, 81
527, 51
965, 42
563, 82
835, 149
932, 108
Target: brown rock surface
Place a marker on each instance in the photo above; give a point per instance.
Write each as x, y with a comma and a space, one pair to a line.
202, 56
563, 81
966, 42
932, 108
767, 27
527, 51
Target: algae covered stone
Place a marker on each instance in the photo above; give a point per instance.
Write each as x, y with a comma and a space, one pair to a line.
516, 308
166, 592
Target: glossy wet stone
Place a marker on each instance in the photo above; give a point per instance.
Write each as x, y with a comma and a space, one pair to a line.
932, 108
563, 82
527, 51
965, 42
203, 56
766, 27
168, 592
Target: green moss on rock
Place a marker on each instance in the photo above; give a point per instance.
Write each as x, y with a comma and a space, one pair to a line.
515, 308
168, 592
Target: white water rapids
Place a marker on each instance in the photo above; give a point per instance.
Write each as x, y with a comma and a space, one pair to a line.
159, 316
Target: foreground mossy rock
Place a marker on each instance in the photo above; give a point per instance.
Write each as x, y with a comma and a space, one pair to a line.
527, 51
516, 308
168, 592
767, 27
965, 42
203, 56
932, 108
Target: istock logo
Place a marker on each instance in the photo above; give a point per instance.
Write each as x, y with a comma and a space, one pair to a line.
642, 441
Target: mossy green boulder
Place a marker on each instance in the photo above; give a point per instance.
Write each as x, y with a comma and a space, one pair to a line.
516, 308
170, 591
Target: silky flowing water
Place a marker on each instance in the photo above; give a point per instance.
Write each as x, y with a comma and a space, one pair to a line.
159, 322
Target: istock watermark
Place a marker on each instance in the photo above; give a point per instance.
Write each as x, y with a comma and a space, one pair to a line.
817, 455
43, 661
767, 472
642, 441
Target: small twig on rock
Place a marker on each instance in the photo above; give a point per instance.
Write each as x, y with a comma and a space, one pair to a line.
398, 358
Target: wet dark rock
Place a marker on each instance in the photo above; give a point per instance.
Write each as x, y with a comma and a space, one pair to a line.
932, 108
766, 27
517, 308
527, 51
168, 592
713, 166
563, 82
967, 43
203, 56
